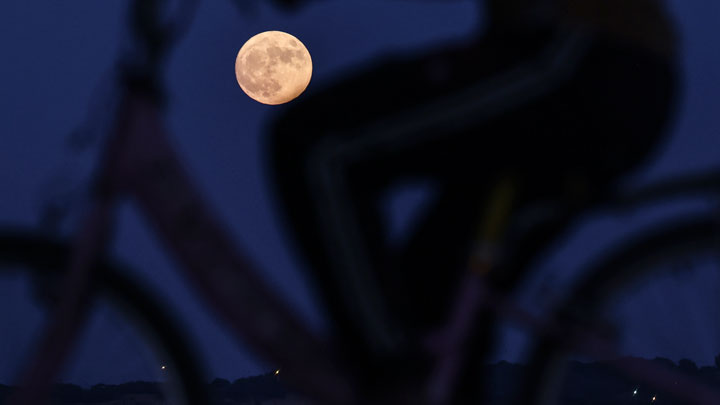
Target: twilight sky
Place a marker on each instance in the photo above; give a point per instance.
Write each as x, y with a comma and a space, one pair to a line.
56, 61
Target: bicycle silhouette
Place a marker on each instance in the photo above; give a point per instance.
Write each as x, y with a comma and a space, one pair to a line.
442, 348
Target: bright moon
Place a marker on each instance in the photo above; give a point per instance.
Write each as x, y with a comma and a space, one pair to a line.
273, 67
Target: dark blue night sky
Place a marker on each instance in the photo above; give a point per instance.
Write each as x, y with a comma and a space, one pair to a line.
57, 59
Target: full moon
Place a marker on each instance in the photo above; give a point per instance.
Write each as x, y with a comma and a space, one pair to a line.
273, 67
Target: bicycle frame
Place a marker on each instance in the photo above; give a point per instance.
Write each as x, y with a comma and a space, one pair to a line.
139, 163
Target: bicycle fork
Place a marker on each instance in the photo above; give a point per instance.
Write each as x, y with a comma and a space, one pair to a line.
449, 343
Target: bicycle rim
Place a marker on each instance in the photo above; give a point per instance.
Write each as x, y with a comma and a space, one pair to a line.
629, 269
44, 257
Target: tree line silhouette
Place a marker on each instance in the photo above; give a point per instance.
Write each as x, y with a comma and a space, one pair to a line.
585, 383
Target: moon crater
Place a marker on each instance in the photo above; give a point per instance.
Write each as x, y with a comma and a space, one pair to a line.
273, 67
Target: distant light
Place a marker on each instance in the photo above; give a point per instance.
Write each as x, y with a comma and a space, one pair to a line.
653, 398
277, 371
635, 392
162, 367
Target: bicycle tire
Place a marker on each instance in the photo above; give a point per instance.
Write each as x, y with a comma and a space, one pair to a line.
618, 269
43, 255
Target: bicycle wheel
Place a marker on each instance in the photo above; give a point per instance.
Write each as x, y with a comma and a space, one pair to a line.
40, 257
601, 299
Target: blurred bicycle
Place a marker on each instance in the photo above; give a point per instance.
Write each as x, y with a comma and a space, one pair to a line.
413, 324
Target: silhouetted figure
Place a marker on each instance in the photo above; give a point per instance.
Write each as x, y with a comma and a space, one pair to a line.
561, 96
